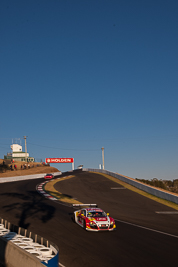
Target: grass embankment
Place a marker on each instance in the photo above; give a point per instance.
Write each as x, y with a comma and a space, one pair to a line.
49, 188
132, 188
35, 168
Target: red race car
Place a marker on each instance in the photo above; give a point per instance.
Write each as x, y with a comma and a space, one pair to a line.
93, 219
49, 176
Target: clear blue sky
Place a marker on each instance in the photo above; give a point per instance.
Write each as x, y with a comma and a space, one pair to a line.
80, 75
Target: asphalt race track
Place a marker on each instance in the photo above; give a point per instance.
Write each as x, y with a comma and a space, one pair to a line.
155, 243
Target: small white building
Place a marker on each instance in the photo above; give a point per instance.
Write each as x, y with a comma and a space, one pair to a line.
18, 154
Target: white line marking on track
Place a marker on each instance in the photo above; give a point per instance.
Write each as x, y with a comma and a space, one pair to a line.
118, 188
167, 212
149, 229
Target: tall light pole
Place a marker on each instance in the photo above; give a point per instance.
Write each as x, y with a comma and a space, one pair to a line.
103, 156
25, 137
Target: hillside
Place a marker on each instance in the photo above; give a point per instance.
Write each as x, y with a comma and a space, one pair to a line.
33, 168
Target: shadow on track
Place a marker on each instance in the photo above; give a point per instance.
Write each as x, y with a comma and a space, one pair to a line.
28, 206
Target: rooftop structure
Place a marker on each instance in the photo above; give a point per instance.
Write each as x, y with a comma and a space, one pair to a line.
18, 154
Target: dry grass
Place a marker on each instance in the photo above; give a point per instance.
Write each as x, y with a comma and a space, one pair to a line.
49, 188
38, 168
132, 188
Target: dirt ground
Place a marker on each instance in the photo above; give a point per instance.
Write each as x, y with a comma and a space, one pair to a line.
34, 168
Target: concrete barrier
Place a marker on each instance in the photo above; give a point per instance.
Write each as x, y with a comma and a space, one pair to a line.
25, 177
13, 255
153, 191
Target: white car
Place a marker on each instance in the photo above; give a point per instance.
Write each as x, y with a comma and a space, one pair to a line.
93, 218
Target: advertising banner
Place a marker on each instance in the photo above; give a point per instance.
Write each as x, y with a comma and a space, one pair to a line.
59, 160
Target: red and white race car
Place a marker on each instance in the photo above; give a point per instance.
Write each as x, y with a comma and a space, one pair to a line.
93, 219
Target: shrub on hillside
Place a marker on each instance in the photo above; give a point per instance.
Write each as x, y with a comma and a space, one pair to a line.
4, 167
154, 182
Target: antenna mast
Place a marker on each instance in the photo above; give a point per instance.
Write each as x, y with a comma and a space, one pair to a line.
25, 137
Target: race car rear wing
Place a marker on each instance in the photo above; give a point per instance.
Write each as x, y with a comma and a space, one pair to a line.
84, 205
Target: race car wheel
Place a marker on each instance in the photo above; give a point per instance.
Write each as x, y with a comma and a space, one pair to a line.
84, 224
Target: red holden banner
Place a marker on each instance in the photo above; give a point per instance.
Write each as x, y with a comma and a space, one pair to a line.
59, 160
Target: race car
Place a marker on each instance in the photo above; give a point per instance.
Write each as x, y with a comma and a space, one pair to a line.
92, 218
49, 176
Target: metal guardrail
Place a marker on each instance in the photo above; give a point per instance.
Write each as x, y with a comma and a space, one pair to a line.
153, 191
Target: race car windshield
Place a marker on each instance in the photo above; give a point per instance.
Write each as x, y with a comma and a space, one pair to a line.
97, 214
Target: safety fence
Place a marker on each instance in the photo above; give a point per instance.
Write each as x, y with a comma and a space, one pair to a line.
153, 191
